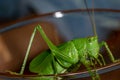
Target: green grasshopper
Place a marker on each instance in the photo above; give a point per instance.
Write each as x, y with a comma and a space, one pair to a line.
60, 58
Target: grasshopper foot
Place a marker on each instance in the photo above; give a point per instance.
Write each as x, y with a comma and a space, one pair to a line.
116, 61
12, 73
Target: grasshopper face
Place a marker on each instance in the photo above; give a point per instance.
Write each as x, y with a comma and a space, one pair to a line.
93, 46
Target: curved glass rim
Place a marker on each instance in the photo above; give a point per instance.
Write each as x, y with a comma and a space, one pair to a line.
36, 17
80, 74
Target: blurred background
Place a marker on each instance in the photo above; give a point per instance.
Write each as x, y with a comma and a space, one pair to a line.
12, 10
78, 25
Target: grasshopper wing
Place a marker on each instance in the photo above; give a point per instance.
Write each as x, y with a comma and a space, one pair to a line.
45, 64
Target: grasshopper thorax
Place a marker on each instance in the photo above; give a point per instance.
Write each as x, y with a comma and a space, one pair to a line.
92, 46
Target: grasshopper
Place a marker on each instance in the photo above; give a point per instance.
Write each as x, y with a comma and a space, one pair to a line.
60, 59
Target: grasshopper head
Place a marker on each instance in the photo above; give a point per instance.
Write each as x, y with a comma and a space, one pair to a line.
93, 46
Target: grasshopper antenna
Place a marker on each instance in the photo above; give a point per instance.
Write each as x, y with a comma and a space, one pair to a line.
91, 17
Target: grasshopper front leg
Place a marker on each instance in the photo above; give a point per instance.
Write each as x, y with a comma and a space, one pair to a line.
93, 74
109, 51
